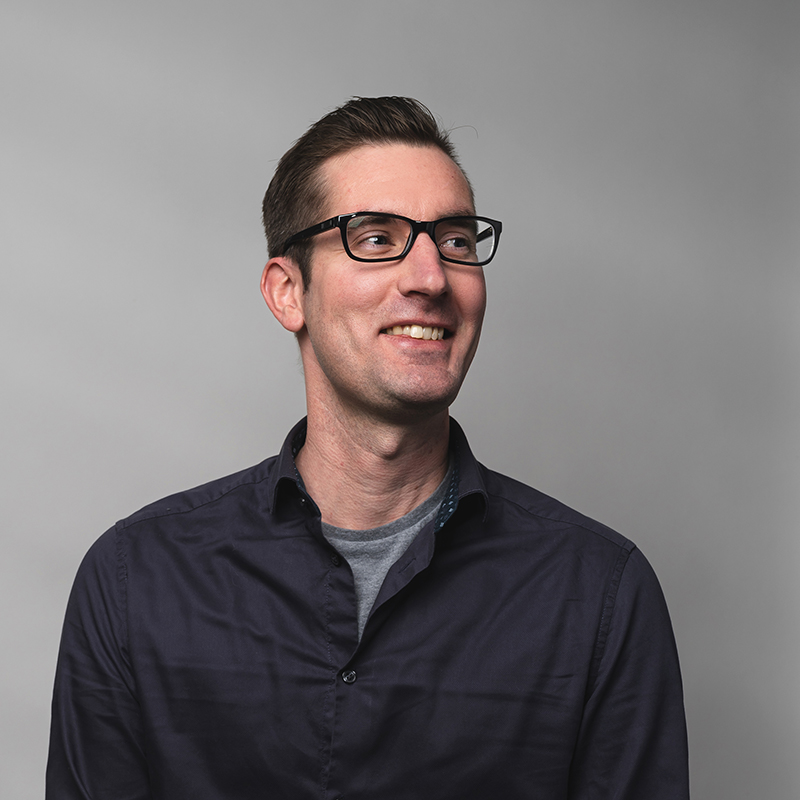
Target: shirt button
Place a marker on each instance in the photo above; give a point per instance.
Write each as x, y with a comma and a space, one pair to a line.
349, 676
335, 560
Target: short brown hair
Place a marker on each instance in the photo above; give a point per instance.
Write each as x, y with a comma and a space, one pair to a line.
296, 197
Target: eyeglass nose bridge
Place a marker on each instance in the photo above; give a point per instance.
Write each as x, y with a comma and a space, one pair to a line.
418, 227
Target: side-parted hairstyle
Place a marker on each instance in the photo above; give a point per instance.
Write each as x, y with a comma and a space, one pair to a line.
296, 195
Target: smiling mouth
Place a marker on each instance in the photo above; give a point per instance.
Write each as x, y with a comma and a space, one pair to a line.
416, 332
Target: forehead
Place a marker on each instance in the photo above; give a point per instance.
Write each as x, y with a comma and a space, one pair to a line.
417, 182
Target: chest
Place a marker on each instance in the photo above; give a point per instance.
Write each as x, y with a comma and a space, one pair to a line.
471, 673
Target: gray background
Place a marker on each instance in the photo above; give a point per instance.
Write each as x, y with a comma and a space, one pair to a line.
640, 354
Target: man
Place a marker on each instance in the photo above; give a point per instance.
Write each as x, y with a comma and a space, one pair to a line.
371, 613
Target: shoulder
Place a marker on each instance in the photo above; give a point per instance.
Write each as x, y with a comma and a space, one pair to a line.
247, 484
519, 504
576, 548
571, 541
163, 537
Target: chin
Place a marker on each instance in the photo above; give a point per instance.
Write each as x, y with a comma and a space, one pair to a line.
418, 405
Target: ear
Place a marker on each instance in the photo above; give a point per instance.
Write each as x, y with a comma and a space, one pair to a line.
282, 287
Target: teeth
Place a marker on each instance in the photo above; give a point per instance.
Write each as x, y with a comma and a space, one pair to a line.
416, 332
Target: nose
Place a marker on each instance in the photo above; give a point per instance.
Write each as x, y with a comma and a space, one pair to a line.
422, 270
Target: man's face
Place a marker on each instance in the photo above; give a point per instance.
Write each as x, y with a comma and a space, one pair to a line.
351, 354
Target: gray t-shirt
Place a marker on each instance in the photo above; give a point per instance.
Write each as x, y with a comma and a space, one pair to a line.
370, 553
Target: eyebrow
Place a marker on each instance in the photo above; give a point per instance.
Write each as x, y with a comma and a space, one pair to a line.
369, 216
460, 212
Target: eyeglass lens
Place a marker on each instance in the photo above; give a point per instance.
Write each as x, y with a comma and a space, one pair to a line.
458, 238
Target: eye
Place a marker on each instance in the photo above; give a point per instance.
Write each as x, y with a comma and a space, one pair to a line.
372, 241
456, 243
374, 236
375, 240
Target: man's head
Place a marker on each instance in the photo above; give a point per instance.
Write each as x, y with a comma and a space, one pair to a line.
297, 195
391, 320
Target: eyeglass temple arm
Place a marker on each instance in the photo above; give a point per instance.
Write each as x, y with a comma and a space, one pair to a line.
312, 231
327, 225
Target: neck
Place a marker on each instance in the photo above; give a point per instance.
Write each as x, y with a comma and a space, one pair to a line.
363, 473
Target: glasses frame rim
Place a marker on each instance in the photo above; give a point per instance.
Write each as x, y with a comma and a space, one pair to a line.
417, 226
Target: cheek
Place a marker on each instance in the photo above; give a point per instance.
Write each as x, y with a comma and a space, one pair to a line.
354, 289
472, 298
336, 303
364, 289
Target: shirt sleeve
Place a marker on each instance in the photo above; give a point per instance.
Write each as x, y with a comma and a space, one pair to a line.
632, 741
96, 741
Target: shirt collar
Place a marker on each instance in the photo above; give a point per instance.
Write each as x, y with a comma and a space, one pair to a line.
468, 472
467, 476
285, 478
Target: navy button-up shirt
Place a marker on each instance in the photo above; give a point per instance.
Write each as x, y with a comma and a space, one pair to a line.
516, 650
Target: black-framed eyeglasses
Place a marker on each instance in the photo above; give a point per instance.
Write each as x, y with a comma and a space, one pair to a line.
375, 236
